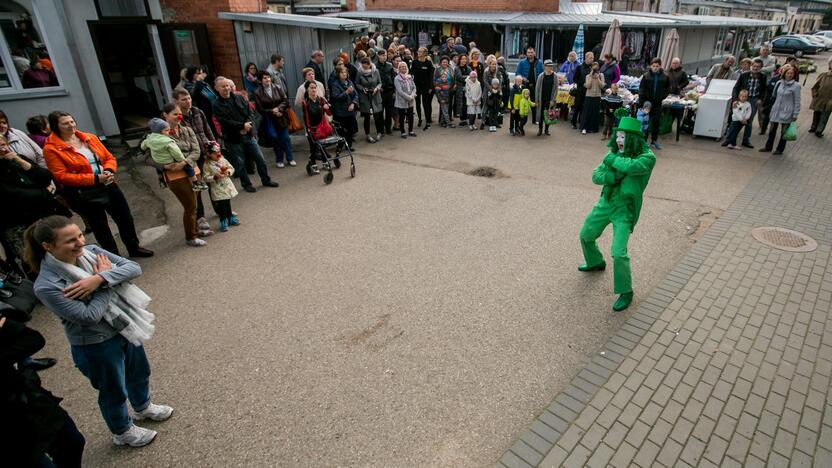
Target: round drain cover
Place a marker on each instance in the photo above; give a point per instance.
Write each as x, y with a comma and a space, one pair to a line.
784, 239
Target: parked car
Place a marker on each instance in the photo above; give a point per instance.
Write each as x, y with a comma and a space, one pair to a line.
816, 40
794, 45
827, 34
826, 39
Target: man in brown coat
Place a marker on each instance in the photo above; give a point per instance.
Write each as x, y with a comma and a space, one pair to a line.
821, 102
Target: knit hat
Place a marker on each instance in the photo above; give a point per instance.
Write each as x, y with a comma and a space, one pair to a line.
495, 81
156, 125
647, 105
473, 74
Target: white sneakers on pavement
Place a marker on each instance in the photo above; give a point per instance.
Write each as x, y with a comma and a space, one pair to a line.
196, 242
135, 436
154, 412
202, 224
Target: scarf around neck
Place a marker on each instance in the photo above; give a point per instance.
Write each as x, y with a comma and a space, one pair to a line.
126, 311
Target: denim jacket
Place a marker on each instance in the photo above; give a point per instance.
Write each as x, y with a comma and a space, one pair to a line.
83, 319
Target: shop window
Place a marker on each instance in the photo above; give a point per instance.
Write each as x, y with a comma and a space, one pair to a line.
122, 8
24, 55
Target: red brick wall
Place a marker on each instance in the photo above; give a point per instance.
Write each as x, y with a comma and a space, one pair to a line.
550, 6
220, 32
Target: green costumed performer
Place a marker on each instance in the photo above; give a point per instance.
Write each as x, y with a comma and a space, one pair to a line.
624, 174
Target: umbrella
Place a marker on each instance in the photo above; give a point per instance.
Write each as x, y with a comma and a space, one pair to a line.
578, 46
612, 43
670, 47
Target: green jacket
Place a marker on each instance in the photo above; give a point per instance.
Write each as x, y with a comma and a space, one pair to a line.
625, 179
163, 149
525, 106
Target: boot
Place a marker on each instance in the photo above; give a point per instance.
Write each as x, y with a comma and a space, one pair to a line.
599, 267
623, 302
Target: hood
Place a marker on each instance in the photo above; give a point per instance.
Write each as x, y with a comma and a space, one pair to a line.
157, 141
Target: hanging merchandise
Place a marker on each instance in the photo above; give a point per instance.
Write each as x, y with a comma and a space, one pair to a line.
424, 38
446, 29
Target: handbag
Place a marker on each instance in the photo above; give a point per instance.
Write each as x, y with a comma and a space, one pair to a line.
295, 124
791, 132
21, 303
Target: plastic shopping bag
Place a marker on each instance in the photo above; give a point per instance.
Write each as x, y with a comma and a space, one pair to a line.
791, 132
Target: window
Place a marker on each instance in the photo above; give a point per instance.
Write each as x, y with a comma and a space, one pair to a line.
24, 56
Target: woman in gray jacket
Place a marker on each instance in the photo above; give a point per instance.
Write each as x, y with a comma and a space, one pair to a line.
104, 320
405, 98
785, 109
368, 83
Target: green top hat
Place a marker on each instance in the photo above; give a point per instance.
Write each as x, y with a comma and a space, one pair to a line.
629, 125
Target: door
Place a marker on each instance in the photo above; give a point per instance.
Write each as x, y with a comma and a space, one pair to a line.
130, 71
184, 45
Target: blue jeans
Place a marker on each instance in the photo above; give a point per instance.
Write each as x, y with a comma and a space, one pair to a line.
282, 145
238, 151
734, 131
746, 137
119, 371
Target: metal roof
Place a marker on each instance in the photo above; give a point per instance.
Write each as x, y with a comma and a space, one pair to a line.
521, 19
517, 19
485, 17
583, 8
603, 19
318, 22
708, 20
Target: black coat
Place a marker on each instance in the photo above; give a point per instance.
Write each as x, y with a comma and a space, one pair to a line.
645, 90
742, 83
580, 78
387, 76
24, 195
422, 72
233, 113
31, 415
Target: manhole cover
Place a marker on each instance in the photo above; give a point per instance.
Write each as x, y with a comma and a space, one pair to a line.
784, 239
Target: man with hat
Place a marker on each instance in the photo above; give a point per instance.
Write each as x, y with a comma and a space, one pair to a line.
545, 91
623, 174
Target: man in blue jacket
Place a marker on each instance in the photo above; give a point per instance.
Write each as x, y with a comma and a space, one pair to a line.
529, 69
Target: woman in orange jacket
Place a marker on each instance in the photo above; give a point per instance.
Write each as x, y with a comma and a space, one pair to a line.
86, 173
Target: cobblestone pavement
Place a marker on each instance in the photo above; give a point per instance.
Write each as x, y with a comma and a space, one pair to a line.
728, 361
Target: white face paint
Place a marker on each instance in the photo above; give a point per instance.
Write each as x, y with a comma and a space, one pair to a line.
619, 138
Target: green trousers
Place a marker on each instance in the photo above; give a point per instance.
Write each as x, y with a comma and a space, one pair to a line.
603, 213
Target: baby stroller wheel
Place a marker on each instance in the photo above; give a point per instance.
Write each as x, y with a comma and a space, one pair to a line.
328, 178
352, 170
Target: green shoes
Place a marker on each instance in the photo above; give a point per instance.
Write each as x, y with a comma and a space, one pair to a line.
623, 302
598, 267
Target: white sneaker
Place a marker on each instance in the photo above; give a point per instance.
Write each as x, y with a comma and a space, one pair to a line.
583, 132
492, 129
378, 136
293, 163
196, 243
280, 165
135, 436
202, 224
154, 412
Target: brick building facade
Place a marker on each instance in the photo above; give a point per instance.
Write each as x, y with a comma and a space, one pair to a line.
220, 32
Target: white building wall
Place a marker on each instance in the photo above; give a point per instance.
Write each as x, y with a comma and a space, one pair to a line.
20, 107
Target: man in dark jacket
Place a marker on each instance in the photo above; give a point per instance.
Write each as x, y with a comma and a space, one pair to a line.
753, 81
33, 422
237, 121
655, 87
422, 72
388, 90
315, 63
580, 86
677, 77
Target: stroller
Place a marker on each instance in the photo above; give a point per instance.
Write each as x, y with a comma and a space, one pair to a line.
321, 151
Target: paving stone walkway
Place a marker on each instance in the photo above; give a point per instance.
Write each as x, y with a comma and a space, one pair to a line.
728, 361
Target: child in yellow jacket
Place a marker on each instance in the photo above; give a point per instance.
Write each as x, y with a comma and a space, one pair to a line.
524, 108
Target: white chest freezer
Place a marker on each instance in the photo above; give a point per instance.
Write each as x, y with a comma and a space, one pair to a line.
714, 109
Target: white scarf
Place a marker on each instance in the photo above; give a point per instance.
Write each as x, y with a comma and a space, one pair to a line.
126, 311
